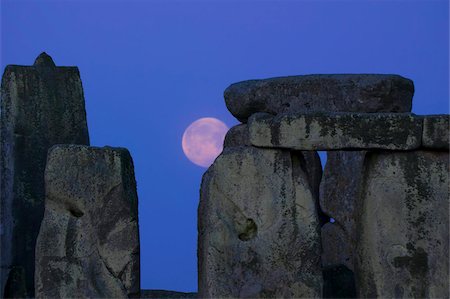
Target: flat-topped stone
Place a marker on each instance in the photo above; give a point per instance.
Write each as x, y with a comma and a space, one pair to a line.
336, 131
88, 244
320, 93
436, 132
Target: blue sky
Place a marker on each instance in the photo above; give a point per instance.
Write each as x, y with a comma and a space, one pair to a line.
150, 68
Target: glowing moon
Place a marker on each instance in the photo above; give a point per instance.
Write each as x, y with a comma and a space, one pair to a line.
203, 140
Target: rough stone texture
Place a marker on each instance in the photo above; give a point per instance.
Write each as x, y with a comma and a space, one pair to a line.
320, 93
237, 136
340, 199
403, 250
336, 131
41, 105
88, 244
160, 294
258, 227
337, 246
436, 132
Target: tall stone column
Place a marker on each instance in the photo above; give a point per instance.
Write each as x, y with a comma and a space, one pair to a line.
258, 227
403, 238
88, 244
41, 105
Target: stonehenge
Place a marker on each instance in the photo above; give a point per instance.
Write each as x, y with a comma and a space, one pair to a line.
373, 222
383, 191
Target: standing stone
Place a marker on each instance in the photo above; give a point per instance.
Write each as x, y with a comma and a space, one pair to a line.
320, 93
340, 190
403, 245
88, 244
310, 160
41, 105
258, 227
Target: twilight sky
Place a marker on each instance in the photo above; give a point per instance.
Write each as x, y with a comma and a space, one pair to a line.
150, 68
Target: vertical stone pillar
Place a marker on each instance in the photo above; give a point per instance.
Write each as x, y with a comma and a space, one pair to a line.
88, 244
403, 238
41, 105
258, 227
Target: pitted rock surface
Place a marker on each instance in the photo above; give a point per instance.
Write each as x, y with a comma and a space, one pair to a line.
88, 244
336, 131
436, 132
41, 105
403, 245
258, 227
320, 93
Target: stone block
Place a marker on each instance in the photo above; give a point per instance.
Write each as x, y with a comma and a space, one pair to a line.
436, 132
41, 105
320, 93
88, 244
258, 227
403, 244
336, 131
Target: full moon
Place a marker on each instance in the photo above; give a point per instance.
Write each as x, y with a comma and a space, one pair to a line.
203, 140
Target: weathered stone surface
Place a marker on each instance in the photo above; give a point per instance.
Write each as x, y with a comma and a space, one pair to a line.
340, 190
336, 246
41, 105
160, 294
335, 131
320, 93
88, 244
237, 136
311, 165
403, 246
258, 227
436, 132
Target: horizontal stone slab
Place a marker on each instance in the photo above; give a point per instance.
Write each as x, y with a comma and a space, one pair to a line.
320, 93
436, 132
336, 131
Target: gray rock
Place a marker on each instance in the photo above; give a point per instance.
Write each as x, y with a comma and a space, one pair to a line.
88, 244
258, 227
310, 160
336, 131
336, 248
41, 105
403, 246
340, 190
237, 136
160, 294
320, 93
436, 132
